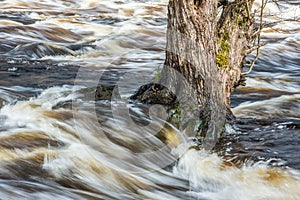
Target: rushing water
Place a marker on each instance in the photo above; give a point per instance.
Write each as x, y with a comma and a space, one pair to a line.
58, 141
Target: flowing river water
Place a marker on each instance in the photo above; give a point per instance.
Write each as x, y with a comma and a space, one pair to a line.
60, 140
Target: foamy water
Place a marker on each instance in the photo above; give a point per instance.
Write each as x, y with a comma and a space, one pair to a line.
100, 168
58, 142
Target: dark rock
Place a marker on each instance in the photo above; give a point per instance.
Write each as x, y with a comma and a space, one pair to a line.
80, 46
106, 92
154, 93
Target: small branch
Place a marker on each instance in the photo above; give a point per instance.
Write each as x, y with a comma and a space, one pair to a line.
258, 45
253, 62
255, 47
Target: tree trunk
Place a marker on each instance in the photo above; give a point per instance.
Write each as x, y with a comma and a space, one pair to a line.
207, 42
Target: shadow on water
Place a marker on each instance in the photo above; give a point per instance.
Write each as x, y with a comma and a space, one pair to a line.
37, 74
272, 140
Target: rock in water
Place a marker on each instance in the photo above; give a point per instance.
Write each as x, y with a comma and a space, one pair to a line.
154, 93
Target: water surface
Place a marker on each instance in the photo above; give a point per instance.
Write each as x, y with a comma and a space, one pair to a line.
58, 141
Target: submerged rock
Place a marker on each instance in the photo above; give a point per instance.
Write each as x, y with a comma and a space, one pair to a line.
39, 50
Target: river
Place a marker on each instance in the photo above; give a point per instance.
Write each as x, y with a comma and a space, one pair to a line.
60, 138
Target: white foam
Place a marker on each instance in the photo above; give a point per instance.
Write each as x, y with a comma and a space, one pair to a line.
209, 178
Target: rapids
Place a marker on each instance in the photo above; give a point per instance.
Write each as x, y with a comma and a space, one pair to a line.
58, 141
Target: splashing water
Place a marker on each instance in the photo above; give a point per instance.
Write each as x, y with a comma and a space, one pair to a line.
51, 148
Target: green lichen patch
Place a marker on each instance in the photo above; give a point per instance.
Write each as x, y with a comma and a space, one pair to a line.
223, 52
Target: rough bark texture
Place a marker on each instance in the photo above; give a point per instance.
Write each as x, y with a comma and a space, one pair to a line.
200, 44
207, 42
191, 45
234, 39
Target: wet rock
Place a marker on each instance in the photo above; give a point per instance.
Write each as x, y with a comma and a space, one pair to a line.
80, 46
64, 104
154, 93
107, 92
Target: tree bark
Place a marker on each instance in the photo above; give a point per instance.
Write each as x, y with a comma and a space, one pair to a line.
207, 42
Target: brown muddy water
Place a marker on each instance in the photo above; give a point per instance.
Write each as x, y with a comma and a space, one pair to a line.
58, 141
